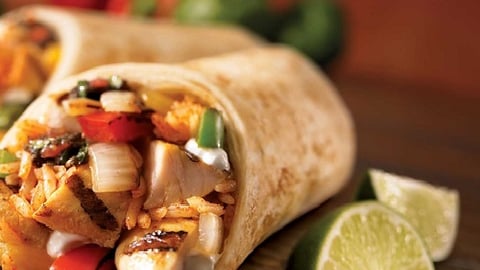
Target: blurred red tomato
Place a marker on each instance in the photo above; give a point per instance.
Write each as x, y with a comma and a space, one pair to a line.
281, 6
156, 8
92, 4
166, 8
121, 7
12, 4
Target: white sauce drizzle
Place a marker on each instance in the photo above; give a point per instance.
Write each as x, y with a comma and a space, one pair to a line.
216, 157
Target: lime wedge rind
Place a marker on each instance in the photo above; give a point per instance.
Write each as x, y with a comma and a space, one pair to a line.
362, 235
432, 210
306, 252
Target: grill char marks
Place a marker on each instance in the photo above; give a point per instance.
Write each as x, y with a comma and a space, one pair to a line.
158, 241
93, 206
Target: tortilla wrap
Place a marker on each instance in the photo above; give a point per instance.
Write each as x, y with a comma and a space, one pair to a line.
89, 38
289, 136
84, 39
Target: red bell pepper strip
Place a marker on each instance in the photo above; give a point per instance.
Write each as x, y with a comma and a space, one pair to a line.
87, 257
114, 126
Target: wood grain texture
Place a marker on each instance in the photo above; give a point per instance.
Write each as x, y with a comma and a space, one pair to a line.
412, 131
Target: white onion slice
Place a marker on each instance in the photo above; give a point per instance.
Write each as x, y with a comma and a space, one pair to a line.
61, 242
116, 101
216, 157
210, 233
114, 167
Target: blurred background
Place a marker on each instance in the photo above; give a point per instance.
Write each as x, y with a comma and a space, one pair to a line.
430, 43
427, 42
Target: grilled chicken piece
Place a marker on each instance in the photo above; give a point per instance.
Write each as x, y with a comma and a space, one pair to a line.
75, 208
22, 240
172, 175
163, 246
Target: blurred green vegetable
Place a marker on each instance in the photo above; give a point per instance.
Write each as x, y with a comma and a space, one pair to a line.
317, 30
255, 15
144, 8
205, 11
6, 157
9, 112
314, 27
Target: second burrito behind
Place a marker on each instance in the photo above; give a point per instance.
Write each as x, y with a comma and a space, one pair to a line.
41, 44
188, 164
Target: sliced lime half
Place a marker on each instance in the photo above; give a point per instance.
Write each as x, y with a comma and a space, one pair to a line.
361, 236
432, 210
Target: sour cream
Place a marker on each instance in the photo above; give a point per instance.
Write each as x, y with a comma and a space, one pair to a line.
216, 157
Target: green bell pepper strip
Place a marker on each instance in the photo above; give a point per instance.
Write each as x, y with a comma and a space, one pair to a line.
116, 82
211, 130
82, 88
9, 112
6, 157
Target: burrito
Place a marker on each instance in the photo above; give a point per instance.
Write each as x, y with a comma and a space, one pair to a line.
185, 166
40, 44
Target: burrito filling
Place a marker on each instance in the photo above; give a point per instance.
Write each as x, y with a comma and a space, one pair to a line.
145, 172
29, 51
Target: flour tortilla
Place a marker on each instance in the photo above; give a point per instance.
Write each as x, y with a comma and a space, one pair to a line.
90, 38
289, 135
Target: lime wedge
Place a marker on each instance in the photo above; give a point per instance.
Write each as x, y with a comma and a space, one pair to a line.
433, 211
361, 235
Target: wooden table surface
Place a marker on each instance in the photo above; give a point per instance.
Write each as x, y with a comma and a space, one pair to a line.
410, 130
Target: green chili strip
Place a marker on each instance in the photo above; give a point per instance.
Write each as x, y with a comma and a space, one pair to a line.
211, 131
6, 157
82, 88
9, 112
